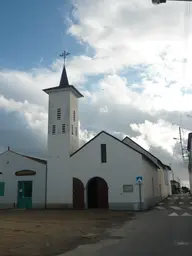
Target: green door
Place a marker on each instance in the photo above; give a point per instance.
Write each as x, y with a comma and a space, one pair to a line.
24, 194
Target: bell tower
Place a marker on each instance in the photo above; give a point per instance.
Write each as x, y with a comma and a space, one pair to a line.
63, 140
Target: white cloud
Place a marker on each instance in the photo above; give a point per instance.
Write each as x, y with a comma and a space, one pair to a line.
121, 34
160, 134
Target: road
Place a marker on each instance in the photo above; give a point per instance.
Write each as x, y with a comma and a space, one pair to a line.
165, 230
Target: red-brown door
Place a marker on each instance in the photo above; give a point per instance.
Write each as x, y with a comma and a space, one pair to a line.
102, 194
78, 194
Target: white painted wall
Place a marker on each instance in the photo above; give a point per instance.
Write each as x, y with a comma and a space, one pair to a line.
11, 163
161, 181
122, 167
60, 146
150, 183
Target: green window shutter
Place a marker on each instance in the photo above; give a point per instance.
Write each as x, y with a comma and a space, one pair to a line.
2, 188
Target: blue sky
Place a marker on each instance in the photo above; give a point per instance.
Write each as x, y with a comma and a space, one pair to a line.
33, 33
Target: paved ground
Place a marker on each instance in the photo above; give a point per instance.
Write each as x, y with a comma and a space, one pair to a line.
53, 232
165, 230
180, 205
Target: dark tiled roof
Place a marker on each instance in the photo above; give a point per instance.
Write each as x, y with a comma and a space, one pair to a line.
118, 141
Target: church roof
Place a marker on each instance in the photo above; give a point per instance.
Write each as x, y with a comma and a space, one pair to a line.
39, 160
64, 79
147, 152
64, 84
144, 155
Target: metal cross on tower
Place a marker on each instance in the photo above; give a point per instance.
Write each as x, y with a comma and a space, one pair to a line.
64, 55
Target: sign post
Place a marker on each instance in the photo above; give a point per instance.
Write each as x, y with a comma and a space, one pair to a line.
139, 181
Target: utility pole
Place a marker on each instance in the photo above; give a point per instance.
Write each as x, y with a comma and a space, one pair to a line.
181, 143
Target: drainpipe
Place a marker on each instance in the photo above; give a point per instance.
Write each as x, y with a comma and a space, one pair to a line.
46, 187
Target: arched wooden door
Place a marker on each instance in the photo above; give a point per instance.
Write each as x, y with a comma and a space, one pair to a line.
102, 194
97, 193
78, 194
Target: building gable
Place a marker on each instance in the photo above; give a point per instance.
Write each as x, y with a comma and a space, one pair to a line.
118, 141
10, 152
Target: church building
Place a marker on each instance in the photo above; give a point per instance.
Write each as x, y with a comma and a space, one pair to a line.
106, 172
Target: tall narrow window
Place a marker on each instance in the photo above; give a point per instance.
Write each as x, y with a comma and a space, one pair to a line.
1, 177
72, 129
74, 115
53, 129
58, 113
103, 153
76, 131
63, 128
153, 188
2, 188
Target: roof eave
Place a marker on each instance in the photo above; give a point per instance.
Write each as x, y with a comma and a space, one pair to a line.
71, 87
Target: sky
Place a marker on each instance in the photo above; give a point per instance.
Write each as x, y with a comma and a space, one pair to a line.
130, 59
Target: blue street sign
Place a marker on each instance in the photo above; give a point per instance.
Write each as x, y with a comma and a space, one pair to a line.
139, 179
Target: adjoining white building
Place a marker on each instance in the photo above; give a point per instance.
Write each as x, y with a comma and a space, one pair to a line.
189, 148
22, 181
104, 173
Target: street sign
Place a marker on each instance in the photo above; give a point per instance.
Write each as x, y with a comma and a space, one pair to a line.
139, 179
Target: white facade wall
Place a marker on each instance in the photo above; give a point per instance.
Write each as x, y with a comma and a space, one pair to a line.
150, 184
164, 188
11, 163
122, 167
162, 183
60, 146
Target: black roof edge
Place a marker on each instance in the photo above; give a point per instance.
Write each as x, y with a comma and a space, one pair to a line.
42, 161
61, 88
161, 163
115, 139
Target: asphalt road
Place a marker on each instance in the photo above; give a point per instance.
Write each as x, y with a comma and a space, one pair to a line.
166, 230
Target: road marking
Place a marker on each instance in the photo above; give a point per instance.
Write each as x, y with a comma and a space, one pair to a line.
160, 203
182, 243
181, 202
173, 214
175, 207
186, 214
160, 208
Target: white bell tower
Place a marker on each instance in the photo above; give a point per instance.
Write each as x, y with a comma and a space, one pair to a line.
63, 140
